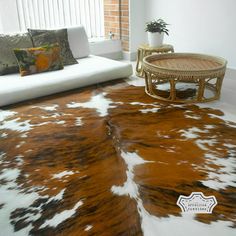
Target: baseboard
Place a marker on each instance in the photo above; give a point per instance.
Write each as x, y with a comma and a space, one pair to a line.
230, 73
129, 56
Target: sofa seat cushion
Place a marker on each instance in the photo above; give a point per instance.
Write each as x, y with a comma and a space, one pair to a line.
90, 70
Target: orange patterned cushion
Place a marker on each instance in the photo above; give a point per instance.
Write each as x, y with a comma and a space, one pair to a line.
40, 59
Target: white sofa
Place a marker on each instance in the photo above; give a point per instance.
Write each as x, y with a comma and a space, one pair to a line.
90, 70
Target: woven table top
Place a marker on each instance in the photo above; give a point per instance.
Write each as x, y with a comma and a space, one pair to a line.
186, 62
163, 47
186, 65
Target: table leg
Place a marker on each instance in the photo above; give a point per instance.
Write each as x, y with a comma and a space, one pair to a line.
144, 54
139, 64
172, 90
148, 81
201, 89
219, 81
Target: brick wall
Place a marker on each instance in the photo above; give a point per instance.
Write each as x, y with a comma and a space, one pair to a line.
116, 20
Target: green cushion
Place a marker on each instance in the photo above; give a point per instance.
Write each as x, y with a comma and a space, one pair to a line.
8, 62
44, 37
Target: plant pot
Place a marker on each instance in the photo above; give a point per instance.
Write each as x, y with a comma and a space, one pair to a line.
155, 39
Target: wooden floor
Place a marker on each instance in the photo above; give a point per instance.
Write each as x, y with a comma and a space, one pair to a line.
109, 160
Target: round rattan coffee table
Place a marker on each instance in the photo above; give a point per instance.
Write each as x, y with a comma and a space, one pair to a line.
205, 73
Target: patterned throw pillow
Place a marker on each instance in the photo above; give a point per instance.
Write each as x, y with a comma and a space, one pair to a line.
44, 37
8, 62
41, 59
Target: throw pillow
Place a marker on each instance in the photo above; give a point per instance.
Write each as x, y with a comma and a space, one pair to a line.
40, 59
8, 62
43, 37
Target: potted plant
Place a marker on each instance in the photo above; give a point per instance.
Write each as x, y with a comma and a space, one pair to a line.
156, 30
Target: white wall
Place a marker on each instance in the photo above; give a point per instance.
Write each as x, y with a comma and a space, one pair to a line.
204, 26
137, 23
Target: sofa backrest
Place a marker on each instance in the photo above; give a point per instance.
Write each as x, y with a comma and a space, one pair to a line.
78, 41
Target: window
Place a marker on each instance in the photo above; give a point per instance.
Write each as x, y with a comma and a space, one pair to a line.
43, 14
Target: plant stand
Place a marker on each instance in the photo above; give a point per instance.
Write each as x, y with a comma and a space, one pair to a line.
145, 50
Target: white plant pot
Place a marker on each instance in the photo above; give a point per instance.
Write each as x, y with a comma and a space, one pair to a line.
155, 39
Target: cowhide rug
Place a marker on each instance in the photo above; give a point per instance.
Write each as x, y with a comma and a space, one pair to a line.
109, 160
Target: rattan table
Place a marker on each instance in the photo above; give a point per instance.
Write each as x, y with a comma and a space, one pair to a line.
145, 50
204, 71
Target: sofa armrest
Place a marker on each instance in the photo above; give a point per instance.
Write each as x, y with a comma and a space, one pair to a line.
78, 41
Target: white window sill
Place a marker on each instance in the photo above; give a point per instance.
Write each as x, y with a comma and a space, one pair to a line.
110, 48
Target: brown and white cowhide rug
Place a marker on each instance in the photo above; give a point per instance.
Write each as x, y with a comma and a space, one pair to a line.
109, 160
